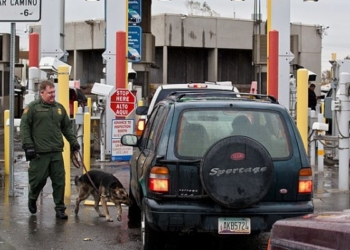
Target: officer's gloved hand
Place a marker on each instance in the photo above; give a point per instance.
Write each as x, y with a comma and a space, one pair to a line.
30, 152
76, 148
76, 156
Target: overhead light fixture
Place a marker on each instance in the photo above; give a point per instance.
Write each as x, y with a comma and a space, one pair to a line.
237, 0
310, 0
92, 0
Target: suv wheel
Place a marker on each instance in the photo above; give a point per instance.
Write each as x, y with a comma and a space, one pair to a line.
149, 236
237, 172
134, 213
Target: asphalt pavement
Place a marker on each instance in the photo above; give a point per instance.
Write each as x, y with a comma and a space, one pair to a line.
21, 230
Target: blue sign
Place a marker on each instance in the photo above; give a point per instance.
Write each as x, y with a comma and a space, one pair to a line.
121, 158
134, 43
134, 15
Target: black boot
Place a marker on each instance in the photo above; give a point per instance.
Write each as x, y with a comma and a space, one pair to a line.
32, 206
60, 214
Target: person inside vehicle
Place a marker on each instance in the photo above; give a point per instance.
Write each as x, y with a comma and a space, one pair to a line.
241, 125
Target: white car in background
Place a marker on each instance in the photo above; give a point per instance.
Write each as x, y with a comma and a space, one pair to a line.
164, 90
325, 88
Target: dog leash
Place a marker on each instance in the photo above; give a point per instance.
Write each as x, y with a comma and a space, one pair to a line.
75, 160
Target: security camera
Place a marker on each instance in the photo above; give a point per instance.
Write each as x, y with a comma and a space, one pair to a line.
131, 72
50, 65
101, 89
101, 100
312, 76
132, 75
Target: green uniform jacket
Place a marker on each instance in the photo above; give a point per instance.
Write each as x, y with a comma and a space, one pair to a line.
42, 126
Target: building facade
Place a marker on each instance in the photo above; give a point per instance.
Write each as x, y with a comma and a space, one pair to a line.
192, 48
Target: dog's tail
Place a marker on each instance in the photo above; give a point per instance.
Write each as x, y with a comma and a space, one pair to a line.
76, 180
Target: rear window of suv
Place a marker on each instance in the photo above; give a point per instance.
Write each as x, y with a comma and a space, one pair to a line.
199, 129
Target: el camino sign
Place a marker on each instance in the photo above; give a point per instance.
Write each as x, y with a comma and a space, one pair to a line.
20, 10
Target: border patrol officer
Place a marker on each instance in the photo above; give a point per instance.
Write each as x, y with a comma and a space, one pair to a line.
42, 124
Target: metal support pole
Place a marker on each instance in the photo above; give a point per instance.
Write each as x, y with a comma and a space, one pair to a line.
313, 143
343, 122
102, 129
279, 19
102, 135
335, 86
116, 20
12, 94
6, 142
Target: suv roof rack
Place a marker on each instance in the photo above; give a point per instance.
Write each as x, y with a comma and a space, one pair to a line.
263, 97
182, 95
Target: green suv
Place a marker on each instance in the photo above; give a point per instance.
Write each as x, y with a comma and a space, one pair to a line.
220, 163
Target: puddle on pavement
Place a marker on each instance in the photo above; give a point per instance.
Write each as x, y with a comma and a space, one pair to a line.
20, 187
328, 179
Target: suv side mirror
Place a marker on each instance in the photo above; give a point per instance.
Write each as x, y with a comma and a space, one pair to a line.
129, 140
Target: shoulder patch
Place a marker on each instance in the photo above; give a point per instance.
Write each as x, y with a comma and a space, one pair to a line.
25, 110
59, 111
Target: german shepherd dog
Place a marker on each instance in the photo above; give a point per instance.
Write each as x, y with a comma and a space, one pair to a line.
108, 188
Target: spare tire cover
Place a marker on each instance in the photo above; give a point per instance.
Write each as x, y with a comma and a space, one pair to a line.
237, 171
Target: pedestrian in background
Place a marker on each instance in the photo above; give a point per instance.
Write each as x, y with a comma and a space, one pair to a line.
42, 124
312, 102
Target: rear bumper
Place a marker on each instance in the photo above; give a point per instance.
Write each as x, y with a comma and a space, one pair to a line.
203, 217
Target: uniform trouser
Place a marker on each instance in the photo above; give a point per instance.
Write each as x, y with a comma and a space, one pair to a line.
44, 166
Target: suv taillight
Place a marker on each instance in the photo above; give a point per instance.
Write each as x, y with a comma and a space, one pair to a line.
159, 179
305, 181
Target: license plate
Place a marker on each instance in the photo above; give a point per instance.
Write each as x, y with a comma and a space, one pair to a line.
234, 226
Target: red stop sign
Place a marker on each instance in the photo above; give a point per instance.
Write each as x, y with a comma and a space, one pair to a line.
122, 102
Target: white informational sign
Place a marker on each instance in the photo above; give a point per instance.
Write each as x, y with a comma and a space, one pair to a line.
120, 151
20, 10
121, 127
